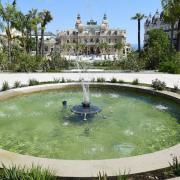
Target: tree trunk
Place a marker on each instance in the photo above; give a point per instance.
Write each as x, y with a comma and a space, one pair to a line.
30, 41
178, 36
37, 44
139, 36
9, 50
42, 41
172, 35
9, 42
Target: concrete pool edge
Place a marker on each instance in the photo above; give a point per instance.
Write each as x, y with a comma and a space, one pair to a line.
90, 168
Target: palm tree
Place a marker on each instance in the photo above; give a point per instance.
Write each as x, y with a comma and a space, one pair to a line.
119, 46
104, 47
35, 22
139, 17
45, 17
8, 15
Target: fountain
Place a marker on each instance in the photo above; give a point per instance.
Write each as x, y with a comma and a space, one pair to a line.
85, 108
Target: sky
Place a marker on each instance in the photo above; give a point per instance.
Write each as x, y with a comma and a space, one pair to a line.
119, 12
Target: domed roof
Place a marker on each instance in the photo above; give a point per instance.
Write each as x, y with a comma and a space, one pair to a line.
80, 27
78, 21
103, 26
105, 20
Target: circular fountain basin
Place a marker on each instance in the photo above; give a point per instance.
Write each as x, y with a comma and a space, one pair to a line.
82, 110
136, 122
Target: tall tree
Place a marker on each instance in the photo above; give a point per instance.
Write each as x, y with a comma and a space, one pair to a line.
172, 12
45, 17
8, 15
157, 48
35, 26
119, 46
139, 17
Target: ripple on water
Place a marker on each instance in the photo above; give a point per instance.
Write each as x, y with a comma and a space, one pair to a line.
125, 149
161, 107
128, 132
97, 95
95, 149
12, 107
114, 95
2, 115
48, 104
34, 114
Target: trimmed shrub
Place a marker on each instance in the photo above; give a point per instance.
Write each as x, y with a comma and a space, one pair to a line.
5, 86
114, 80
56, 80
33, 82
101, 80
176, 88
158, 85
135, 82
17, 84
63, 80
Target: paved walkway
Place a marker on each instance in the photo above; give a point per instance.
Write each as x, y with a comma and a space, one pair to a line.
170, 79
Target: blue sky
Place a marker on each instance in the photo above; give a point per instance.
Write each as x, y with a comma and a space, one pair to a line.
119, 12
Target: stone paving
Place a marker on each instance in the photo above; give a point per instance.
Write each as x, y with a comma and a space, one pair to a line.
146, 78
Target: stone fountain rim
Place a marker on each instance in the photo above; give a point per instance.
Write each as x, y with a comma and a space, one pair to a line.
91, 168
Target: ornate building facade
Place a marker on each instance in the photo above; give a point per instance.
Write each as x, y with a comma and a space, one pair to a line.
93, 38
157, 22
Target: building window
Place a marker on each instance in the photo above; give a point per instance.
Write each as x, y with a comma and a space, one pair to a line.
115, 40
74, 41
67, 41
68, 33
109, 40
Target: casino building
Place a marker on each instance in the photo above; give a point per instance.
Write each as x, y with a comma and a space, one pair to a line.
93, 38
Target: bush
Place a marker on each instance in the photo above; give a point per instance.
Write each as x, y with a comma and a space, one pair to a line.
135, 82
114, 80
63, 80
5, 86
93, 80
171, 64
176, 88
56, 80
17, 84
33, 82
27, 63
101, 80
175, 166
18, 173
158, 85
133, 62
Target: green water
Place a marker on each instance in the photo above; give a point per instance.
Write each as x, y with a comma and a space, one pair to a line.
130, 124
